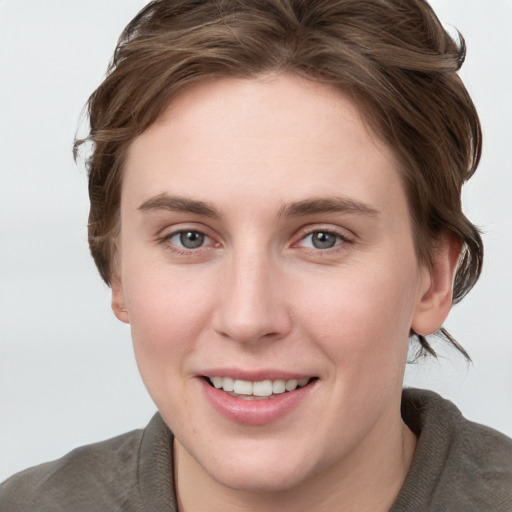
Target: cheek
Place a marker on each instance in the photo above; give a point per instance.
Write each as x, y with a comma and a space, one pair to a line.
162, 302
363, 320
167, 315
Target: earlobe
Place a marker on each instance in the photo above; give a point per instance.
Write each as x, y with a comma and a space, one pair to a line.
435, 300
118, 303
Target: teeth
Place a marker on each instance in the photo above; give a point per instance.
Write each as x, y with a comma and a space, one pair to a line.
291, 384
264, 388
228, 384
242, 387
217, 382
278, 386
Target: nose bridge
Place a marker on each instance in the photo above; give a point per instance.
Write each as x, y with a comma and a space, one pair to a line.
251, 305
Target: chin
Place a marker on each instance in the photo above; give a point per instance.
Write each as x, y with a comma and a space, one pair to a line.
259, 480
258, 470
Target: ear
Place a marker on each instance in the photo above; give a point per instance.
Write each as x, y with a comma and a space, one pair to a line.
118, 302
437, 287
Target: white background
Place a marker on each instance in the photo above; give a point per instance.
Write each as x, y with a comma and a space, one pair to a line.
67, 373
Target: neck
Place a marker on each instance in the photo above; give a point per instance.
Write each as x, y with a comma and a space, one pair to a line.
368, 479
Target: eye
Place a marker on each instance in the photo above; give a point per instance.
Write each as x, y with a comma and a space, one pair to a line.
189, 239
321, 240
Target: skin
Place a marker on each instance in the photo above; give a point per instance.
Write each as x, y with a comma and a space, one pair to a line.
259, 296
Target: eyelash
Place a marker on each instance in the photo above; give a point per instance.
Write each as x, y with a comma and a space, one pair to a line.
182, 251
341, 240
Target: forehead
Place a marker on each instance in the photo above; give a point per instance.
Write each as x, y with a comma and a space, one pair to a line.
244, 138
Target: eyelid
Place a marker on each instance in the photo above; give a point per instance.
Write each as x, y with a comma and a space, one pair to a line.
343, 234
179, 227
206, 238
165, 236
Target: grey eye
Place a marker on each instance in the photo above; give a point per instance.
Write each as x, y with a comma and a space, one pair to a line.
190, 239
322, 240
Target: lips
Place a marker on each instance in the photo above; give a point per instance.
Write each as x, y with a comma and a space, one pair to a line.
256, 402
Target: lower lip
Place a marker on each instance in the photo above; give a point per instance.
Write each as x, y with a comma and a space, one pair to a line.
255, 412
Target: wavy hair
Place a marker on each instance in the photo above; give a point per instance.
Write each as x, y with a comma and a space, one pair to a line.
392, 57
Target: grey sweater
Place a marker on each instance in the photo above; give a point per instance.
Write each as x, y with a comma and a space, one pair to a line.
458, 466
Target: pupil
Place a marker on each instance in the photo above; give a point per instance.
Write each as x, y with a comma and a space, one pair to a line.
191, 239
323, 240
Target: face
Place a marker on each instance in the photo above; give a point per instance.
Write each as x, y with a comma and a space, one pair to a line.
268, 272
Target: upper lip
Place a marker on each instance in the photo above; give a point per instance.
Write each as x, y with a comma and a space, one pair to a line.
255, 375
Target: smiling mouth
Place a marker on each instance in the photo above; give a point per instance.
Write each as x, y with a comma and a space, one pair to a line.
260, 390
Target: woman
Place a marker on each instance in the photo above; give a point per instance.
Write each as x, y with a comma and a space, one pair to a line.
275, 203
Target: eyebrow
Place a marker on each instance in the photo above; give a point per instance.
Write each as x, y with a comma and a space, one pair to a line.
179, 204
328, 205
294, 209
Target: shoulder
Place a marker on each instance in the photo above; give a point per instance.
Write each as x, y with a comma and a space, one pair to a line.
458, 464
87, 478
443, 429
128, 473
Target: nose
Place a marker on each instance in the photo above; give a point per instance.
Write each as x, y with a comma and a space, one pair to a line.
252, 303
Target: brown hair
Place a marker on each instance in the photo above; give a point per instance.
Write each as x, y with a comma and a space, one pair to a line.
393, 57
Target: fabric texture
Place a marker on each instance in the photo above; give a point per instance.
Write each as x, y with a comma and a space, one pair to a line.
458, 466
